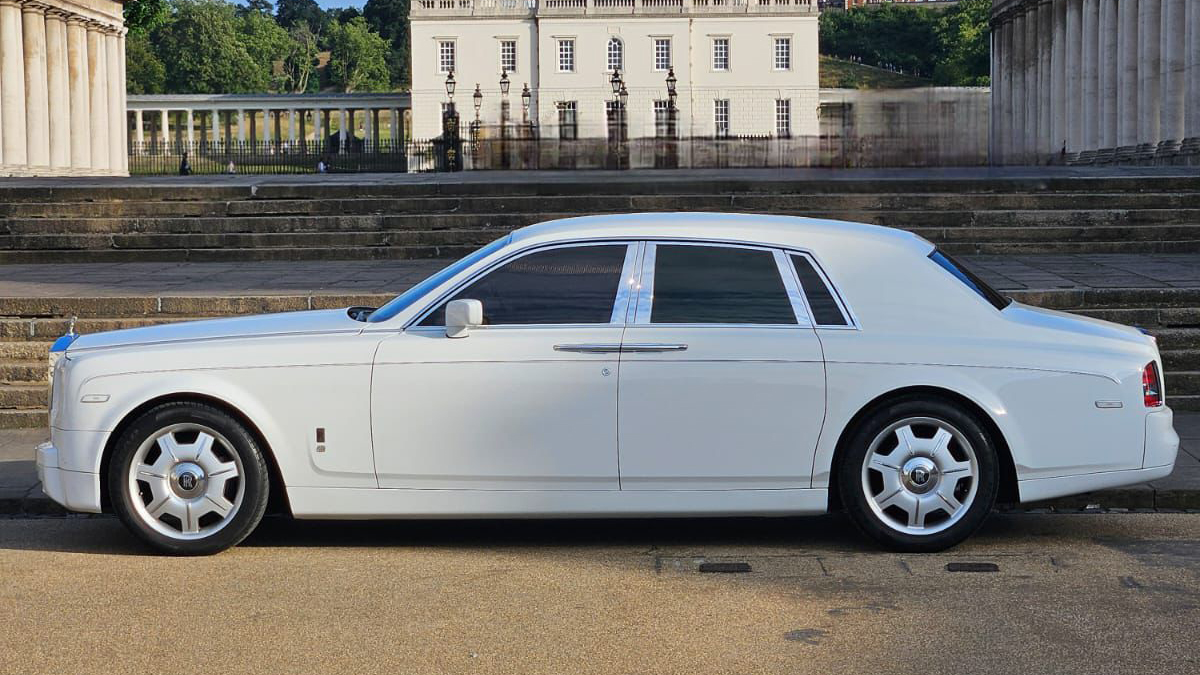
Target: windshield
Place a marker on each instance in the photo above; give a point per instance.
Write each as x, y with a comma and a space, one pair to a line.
402, 301
967, 277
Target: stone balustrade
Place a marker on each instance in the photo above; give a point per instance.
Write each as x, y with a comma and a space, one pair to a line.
62, 87
567, 8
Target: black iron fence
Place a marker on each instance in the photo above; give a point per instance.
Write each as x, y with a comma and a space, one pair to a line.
352, 155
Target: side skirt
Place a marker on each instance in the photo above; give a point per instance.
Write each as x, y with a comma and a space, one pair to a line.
367, 503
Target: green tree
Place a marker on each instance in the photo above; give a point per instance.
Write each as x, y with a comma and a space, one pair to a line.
268, 45
291, 13
144, 71
965, 44
263, 7
205, 51
890, 35
389, 18
357, 57
300, 64
143, 16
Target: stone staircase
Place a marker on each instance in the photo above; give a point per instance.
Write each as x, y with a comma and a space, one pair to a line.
30, 325
306, 220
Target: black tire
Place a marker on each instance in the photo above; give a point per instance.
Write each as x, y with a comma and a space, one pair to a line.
234, 444
856, 485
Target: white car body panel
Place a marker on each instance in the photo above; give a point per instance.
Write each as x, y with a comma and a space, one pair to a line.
746, 420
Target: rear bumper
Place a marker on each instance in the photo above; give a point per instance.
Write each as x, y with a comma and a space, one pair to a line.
74, 490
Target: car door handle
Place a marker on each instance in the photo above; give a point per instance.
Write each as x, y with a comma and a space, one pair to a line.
648, 347
589, 348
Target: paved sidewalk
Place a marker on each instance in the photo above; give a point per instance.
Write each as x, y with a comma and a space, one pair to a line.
21, 494
1041, 272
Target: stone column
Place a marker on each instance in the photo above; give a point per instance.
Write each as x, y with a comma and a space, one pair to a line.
1174, 76
1090, 87
98, 96
1001, 84
266, 134
1058, 76
1018, 89
368, 126
1074, 77
319, 128
123, 79
215, 122
78, 79
342, 122
164, 128
12, 84
241, 125
1149, 76
189, 131
1192, 144
1032, 86
59, 89
139, 138
1045, 91
1109, 73
1127, 100
292, 126
398, 136
116, 102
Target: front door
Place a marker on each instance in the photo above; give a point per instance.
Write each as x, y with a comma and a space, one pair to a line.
526, 402
722, 375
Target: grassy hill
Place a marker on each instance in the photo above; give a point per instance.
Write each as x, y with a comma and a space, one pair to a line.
841, 74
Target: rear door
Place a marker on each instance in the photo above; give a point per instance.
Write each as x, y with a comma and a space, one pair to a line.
722, 379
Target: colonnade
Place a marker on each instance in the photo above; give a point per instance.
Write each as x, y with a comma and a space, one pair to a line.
1095, 81
62, 88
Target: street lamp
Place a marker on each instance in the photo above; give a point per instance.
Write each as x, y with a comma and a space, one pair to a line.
526, 97
504, 118
672, 94
478, 98
504, 82
615, 81
450, 84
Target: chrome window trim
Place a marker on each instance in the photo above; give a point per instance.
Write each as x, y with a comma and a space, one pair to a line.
620, 311
851, 320
521, 253
795, 295
646, 284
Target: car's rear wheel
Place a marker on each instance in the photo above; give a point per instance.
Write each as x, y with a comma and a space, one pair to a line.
919, 475
188, 479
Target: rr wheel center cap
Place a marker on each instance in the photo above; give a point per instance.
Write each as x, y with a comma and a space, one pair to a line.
188, 480
919, 475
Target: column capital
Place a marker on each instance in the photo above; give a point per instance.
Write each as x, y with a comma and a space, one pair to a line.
58, 14
34, 7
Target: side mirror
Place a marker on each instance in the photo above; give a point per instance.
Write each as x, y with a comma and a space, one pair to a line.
462, 316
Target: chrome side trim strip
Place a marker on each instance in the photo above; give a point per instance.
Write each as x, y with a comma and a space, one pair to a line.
649, 347
589, 348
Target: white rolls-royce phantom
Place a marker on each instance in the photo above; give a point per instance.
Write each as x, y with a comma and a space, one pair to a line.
633, 365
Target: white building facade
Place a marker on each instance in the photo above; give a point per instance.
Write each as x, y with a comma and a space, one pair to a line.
743, 67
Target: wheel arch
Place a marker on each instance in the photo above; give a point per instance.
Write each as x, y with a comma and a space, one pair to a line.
278, 494
1008, 493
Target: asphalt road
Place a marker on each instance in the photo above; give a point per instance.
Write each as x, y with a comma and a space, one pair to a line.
1092, 593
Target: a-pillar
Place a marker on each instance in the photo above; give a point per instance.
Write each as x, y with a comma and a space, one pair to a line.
1127, 86
1090, 89
78, 79
1109, 74
1174, 76
1149, 76
37, 98
98, 95
13, 141
1018, 88
1191, 146
58, 82
1074, 78
116, 102
1058, 78
1045, 49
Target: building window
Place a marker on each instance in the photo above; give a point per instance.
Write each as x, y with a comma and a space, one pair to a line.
566, 56
783, 117
721, 117
568, 122
662, 119
446, 61
508, 55
616, 54
720, 49
783, 53
662, 53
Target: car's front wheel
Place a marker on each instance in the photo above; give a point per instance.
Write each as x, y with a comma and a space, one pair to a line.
188, 479
919, 475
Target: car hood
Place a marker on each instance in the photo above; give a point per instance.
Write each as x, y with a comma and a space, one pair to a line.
1075, 324
287, 323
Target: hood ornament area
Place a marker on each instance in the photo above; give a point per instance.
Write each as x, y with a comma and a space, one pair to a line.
61, 344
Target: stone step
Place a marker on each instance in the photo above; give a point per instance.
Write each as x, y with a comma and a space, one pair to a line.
24, 419
1180, 301
1016, 248
23, 396
1183, 403
24, 371
342, 239
30, 350
1180, 360
234, 254
1150, 318
1172, 339
1182, 382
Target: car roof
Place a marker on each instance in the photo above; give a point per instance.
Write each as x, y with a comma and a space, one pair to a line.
757, 228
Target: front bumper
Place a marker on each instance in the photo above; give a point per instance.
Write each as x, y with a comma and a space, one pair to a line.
75, 490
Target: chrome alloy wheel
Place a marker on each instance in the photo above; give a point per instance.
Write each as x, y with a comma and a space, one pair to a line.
186, 481
920, 475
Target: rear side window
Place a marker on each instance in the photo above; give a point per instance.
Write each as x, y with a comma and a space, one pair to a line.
568, 285
824, 307
967, 277
718, 285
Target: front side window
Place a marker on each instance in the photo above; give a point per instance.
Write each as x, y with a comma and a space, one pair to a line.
566, 56
968, 278
718, 285
407, 298
508, 55
662, 53
568, 285
720, 55
721, 117
616, 54
446, 56
568, 121
783, 53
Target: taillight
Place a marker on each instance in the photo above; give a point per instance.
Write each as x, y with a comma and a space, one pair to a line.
1152, 386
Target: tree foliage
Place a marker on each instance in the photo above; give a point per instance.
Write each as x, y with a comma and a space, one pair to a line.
143, 16
357, 57
389, 18
950, 46
207, 53
145, 72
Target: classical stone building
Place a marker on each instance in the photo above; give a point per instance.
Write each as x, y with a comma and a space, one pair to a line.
1095, 81
62, 88
742, 67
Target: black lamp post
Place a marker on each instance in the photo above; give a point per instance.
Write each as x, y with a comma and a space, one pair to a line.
450, 85
477, 97
672, 95
504, 84
526, 97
